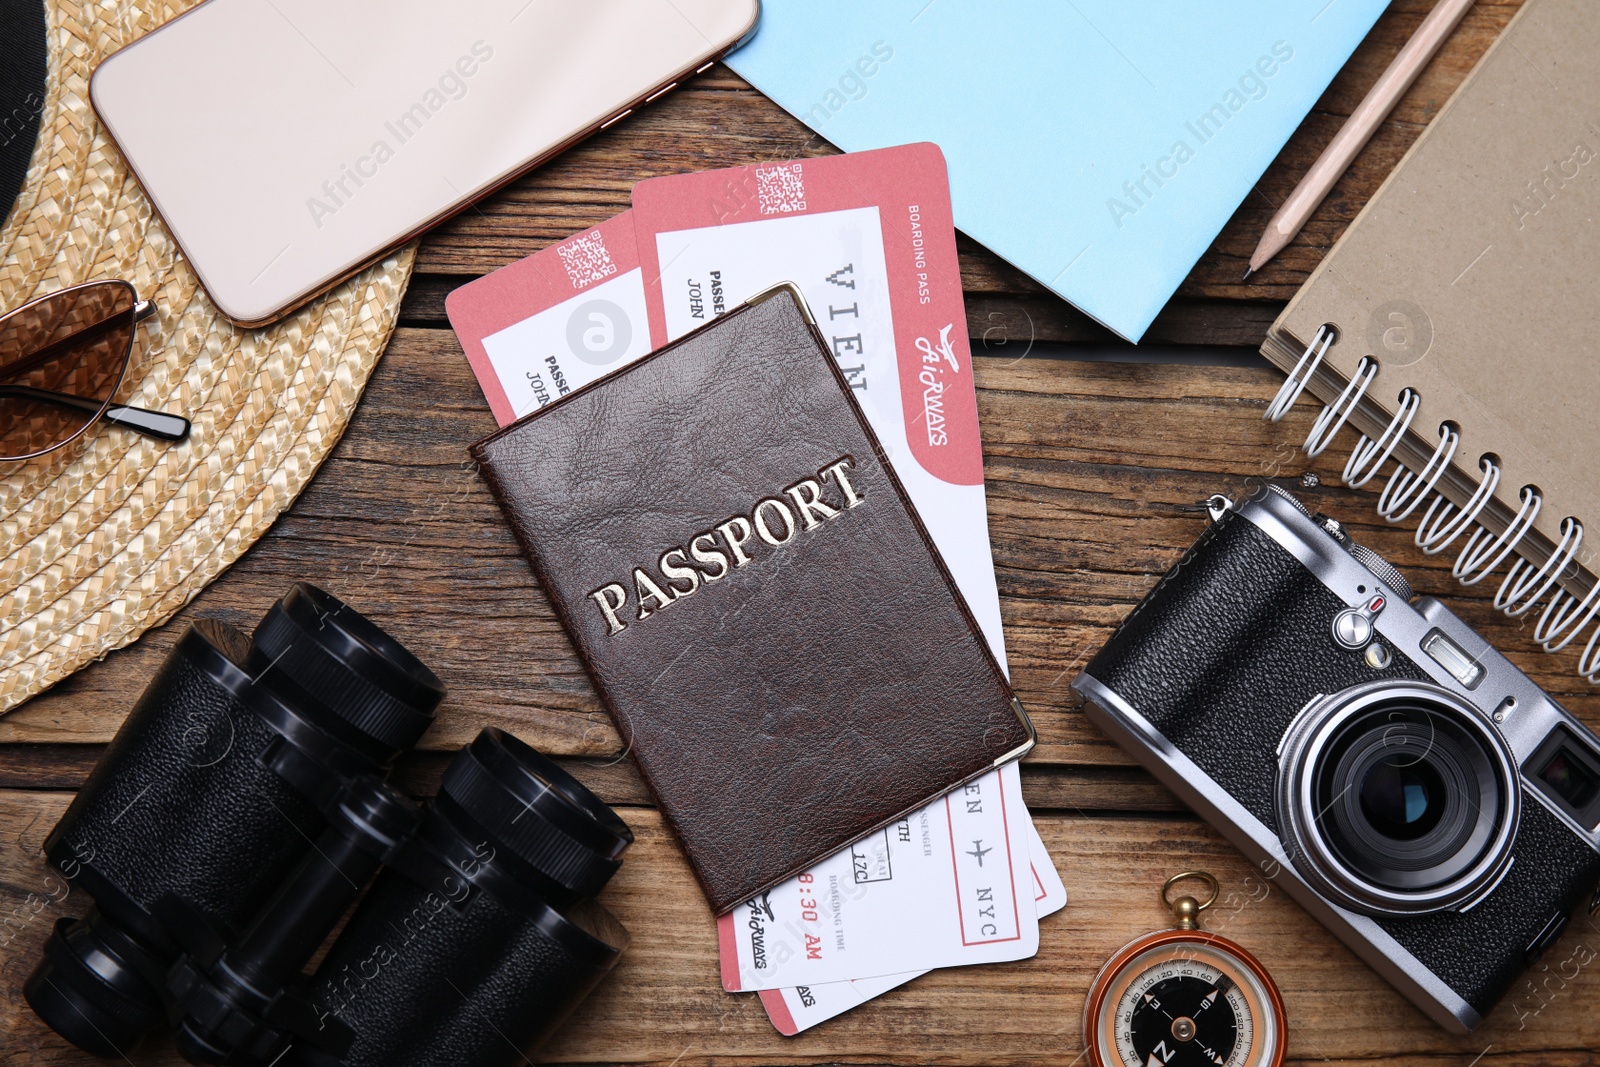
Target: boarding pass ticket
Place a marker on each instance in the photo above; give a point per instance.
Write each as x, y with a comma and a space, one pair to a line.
868, 239
554, 322
949, 885
796, 1008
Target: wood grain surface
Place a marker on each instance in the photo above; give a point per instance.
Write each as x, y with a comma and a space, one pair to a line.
1090, 468
665, 1005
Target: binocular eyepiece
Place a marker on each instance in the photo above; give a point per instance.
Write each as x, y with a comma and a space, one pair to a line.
240, 811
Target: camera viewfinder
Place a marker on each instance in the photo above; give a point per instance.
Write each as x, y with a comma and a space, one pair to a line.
1568, 772
1453, 658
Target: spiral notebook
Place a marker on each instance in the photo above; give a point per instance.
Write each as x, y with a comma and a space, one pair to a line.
1454, 326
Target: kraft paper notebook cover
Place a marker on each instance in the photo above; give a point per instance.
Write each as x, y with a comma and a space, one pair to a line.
1462, 303
761, 610
1097, 145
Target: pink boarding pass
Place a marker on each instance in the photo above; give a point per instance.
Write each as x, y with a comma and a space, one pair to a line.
538, 329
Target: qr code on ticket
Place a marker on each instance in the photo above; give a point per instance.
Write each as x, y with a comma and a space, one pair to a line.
586, 259
781, 190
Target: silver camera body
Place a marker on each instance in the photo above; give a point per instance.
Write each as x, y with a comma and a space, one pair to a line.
1398, 777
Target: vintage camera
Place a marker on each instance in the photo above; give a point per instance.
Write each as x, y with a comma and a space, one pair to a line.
1399, 778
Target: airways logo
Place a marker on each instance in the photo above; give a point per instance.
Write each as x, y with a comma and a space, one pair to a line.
760, 914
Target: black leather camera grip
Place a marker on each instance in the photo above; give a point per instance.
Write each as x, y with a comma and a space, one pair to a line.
1224, 652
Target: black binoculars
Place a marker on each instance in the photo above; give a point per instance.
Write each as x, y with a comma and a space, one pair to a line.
242, 809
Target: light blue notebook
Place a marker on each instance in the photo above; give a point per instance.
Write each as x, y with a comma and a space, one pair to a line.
1099, 145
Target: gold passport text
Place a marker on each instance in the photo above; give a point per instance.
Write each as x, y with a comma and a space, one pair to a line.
713, 554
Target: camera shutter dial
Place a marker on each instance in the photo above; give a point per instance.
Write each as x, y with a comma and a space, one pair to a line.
1383, 570
1352, 627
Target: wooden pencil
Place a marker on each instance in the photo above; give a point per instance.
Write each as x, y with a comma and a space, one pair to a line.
1358, 130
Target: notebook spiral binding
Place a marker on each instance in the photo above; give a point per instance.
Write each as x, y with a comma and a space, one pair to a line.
1565, 616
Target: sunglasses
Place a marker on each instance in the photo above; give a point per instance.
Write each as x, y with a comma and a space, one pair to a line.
62, 358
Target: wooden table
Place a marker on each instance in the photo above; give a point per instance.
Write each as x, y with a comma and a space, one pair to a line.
1089, 464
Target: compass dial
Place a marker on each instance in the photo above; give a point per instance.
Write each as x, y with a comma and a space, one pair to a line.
1184, 1001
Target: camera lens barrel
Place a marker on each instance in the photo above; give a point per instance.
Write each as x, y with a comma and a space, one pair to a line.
476, 961
1398, 798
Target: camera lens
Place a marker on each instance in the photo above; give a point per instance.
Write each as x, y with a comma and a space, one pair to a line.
1402, 797
1408, 796
1398, 798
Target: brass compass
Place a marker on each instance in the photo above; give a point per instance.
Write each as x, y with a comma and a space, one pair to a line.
1184, 998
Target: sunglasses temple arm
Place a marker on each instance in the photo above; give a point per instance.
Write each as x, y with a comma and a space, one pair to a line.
154, 423
151, 423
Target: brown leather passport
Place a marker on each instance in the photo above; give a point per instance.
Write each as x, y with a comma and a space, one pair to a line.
753, 594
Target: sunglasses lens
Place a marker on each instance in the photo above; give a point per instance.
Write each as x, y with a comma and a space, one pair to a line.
61, 358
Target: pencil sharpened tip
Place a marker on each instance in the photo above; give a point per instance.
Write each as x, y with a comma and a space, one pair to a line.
1247, 272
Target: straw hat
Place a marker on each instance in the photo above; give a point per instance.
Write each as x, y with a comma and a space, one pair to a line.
111, 535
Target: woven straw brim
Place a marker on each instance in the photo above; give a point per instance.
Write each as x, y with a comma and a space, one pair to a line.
110, 536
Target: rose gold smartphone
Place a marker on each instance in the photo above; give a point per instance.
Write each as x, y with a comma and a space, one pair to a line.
289, 143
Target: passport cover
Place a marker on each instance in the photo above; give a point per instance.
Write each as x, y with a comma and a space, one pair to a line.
754, 596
